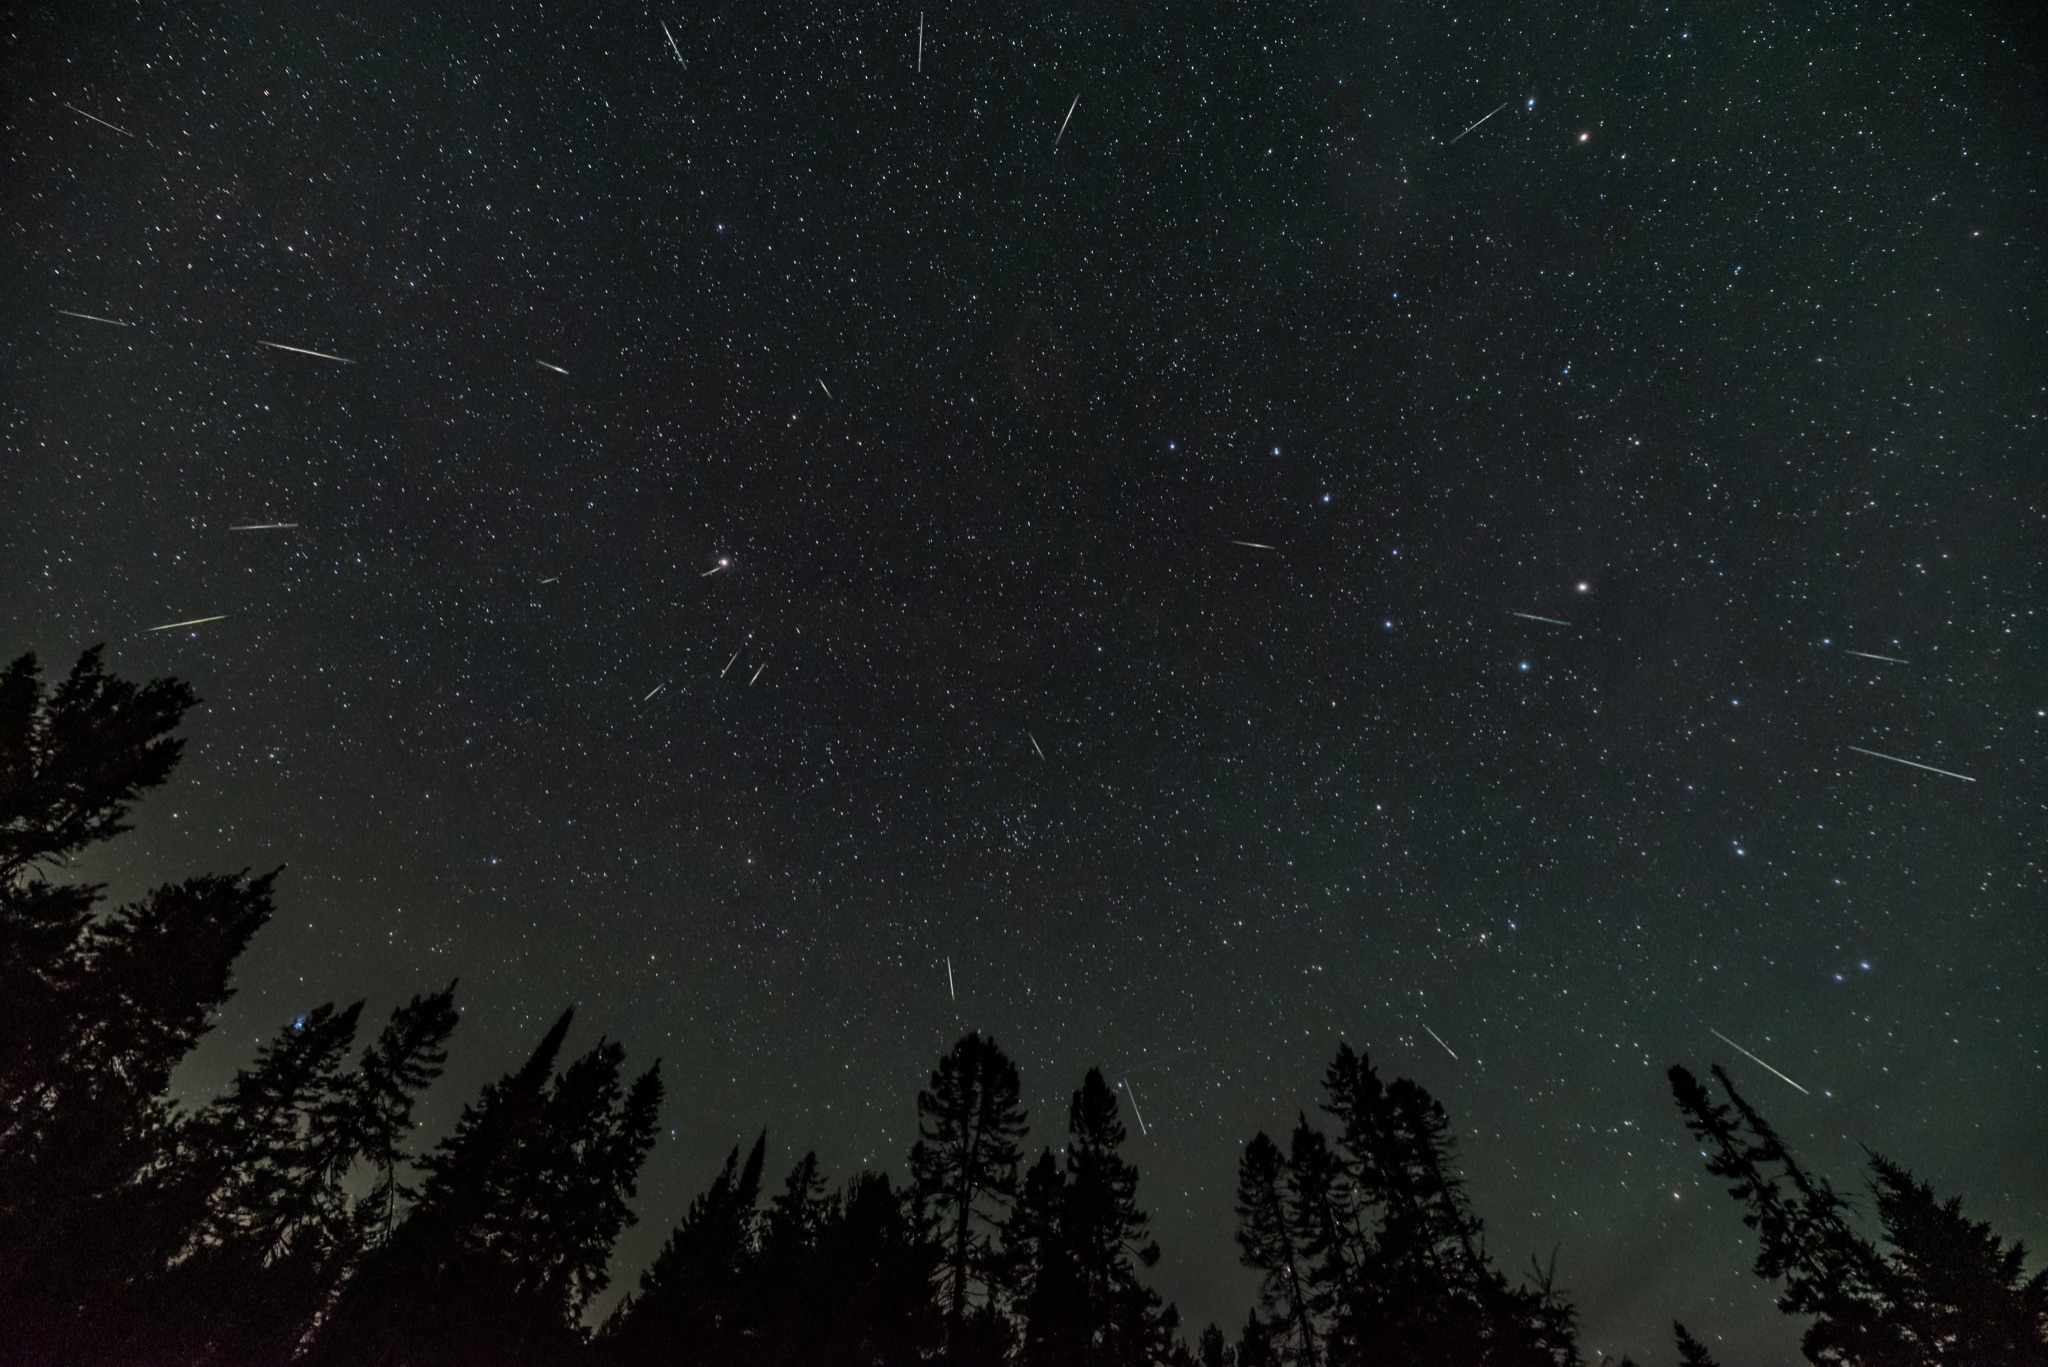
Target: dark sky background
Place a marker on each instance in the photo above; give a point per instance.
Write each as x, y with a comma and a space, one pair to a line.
1721, 341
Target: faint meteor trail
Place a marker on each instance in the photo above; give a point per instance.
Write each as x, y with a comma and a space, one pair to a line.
1133, 1095
652, 691
1440, 1040
98, 120
920, 42
951, 995
730, 663
1888, 659
757, 674
550, 365
305, 351
263, 527
1914, 763
1255, 545
1063, 122
672, 44
95, 318
555, 580
1754, 1059
821, 385
1554, 621
191, 622
1483, 118
1034, 745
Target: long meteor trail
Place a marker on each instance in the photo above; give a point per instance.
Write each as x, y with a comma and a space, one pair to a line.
1554, 621
1888, 659
95, 318
263, 527
1483, 118
1913, 763
98, 120
550, 365
1440, 1040
1754, 1059
950, 993
672, 44
1063, 122
1129, 1092
306, 351
191, 622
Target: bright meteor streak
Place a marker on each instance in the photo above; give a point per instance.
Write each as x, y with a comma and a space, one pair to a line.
1754, 1059
304, 351
1912, 763
191, 622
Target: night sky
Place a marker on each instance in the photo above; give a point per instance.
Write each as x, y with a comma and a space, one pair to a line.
871, 590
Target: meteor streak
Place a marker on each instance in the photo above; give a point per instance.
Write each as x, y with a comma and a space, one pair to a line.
1440, 1040
1483, 118
757, 674
1888, 659
950, 993
1914, 763
654, 690
1255, 545
1754, 1059
1063, 122
191, 622
304, 351
1134, 1107
729, 664
98, 120
263, 527
1034, 745
672, 43
550, 365
95, 318
1554, 621
821, 385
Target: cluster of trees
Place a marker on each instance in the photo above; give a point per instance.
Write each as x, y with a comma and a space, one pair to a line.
287, 1220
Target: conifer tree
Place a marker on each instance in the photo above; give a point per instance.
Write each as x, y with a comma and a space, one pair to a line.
1944, 1289
98, 1010
683, 1311
1266, 1225
1086, 1305
514, 1221
964, 1176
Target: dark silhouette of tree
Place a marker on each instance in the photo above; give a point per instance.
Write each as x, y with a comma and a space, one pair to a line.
98, 1010
1943, 1289
1086, 1239
683, 1311
1211, 1350
1266, 1226
964, 1176
1691, 1352
513, 1224
1368, 1249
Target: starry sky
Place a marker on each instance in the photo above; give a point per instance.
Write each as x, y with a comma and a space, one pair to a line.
776, 537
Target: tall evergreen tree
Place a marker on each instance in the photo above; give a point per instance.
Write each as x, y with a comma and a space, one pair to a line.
684, 1309
99, 1010
514, 1221
1944, 1289
1086, 1305
964, 1175
1368, 1248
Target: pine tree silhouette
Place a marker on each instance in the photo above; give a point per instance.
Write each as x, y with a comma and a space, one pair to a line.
1369, 1250
964, 1176
98, 1010
684, 1309
1945, 1289
1087, 1239
513, 1224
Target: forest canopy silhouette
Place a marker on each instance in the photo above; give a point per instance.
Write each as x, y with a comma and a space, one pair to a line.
289, 1219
